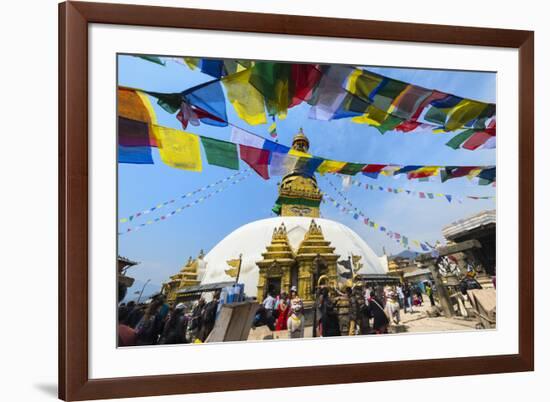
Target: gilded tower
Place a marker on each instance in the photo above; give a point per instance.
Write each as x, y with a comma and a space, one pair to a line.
299, 194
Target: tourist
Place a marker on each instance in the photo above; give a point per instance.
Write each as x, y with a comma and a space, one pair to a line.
135, 316
430, 293
376, 311
126, 335
176, 327
342, 306
269, 306
400, 295
283, 310
392, 307
295, 322
419, 295
149, 327
407, 292
195, 324
328, 318
208, 316
358, 312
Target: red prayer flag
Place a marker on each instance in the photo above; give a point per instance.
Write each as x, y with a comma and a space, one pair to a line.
476, 140
256, 158
462, 171
407, 126
304, 79
373, 168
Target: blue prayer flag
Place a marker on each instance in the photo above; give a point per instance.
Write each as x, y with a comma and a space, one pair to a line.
136, 155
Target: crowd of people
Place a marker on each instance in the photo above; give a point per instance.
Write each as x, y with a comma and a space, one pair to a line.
158, 323
348, 310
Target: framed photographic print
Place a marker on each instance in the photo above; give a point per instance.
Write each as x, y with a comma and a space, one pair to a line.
249, 197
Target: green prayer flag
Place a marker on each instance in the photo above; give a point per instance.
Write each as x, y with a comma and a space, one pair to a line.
389, 124
170, 102
387, 93
272, 81
221, 153
153, 59
457, 140
352, 168
437, 115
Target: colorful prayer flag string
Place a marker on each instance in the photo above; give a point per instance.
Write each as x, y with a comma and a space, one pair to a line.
355, 213
180, 209
420, 194
181, 197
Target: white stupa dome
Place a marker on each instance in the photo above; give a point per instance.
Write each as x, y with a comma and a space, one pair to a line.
252, 239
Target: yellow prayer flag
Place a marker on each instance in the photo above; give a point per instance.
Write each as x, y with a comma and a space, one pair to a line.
473, 173
299, 153
247, 100
135, 105
465, 111
373, 117
178, 148
329, 166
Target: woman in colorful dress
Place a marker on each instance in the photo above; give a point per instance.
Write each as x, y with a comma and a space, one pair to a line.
283, 309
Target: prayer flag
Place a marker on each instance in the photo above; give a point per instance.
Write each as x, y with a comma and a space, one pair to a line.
272, 81
221, 153
170, 102
458, 139
214, 68
426, 171
304, 79
192, 62
245, 98
329, 94
242, 137
153, 59
257, 159
476, 140
406, 169
437, 115
491, 143
406, 103
136, 155
364, 84
488, 174
133, 133
179, 149
388, 90
273, 130
135, 105
465, 111
281, 164
351, 168
273, 146
210, 98
329, 166
451, 172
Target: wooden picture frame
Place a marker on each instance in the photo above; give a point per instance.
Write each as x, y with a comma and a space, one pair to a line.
74, 18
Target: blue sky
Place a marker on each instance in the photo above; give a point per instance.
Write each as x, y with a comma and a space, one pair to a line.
162, 248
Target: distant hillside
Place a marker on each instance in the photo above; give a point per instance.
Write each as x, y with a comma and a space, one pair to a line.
407, 254
150, 290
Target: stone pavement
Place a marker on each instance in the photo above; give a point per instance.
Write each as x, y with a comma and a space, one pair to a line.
410, 323
418, 321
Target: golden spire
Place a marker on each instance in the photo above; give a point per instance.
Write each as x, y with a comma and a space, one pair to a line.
300, 142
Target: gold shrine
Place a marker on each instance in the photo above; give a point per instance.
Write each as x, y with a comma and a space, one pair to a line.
299, 194
282, 267
188, 276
